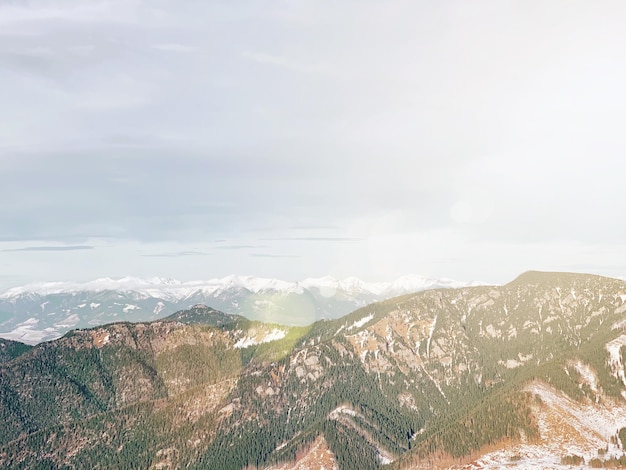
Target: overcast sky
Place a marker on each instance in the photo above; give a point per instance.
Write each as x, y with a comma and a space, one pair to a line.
195, 139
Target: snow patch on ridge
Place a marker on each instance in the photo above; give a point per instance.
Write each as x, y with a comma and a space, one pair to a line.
430, 335
566, 427
26, 332
252, 340
361, 322
615, 357
588, 375
69, 321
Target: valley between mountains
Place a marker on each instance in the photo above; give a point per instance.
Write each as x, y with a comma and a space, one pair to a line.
525, 375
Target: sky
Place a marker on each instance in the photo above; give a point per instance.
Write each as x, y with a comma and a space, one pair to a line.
294, 139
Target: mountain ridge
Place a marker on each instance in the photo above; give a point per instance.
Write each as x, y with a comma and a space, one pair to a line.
46, 311
164, 287
527, 375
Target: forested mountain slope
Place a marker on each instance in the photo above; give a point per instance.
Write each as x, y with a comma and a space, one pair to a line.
477, 376
11, 349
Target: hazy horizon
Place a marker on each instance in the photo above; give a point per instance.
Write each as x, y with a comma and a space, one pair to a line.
303, 139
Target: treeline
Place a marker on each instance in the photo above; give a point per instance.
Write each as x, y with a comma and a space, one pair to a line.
352, 451
9, 350
496, 418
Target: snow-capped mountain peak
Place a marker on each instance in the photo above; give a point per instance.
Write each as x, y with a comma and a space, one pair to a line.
175, 289
43, 311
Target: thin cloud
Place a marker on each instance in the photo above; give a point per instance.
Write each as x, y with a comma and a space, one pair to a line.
317, 239
173, 47
52, 248
177, 254
267, 255
239, 247
314, 227
284, 62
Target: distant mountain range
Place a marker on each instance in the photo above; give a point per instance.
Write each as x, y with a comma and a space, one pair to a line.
41, 312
